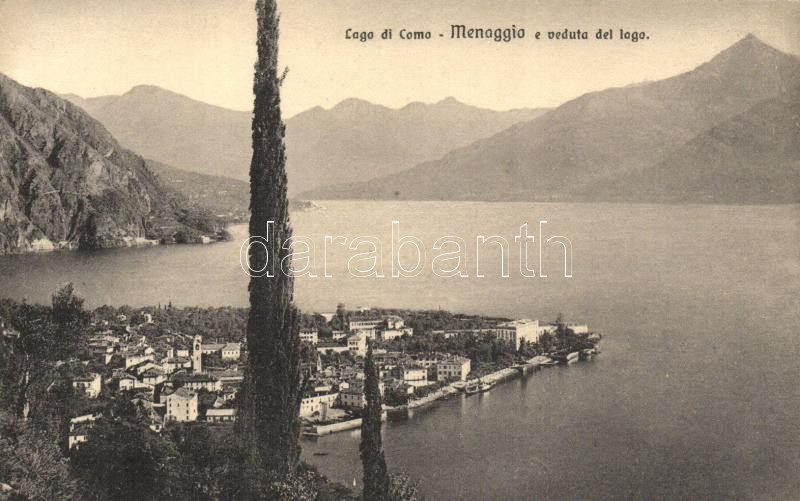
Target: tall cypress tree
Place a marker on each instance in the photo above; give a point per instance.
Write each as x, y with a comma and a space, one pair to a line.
376, 475
269, 425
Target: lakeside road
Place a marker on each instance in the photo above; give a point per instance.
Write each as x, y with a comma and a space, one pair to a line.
499, 376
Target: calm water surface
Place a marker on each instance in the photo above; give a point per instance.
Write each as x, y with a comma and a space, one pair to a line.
696, 394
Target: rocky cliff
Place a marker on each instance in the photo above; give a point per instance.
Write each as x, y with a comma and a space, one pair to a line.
65, 182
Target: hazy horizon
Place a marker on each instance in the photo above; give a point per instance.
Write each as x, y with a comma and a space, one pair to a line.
205, 50
329, 107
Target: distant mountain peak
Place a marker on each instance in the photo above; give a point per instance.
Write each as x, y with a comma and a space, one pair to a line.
148, 89
748, 47
610, 135
449, 100
751, 40
352, 103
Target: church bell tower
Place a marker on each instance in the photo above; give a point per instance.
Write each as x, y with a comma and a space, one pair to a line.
197, 355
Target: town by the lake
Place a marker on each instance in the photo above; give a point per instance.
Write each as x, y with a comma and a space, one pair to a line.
185, 365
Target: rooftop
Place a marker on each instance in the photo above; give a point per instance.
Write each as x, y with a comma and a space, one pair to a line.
517, 323
184, 393
176, 360
220, 412
195, 378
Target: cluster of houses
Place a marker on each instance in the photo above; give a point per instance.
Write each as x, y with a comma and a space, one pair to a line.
165, 376
342, 386
360, 331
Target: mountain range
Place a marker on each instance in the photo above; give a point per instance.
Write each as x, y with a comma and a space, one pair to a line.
725, 132
353, 141
66, 182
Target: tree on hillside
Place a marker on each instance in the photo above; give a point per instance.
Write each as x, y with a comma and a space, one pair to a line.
198, 467
68, 308
339, 321
36, 337
31, 462
269, 426
124, 460
376, 475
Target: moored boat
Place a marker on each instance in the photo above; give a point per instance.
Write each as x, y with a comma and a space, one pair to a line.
473, 388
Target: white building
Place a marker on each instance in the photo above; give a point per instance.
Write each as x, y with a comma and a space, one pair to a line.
126, 382
313, 402
393, 322
211, 348
78, 435
448, 369
90, 384
352, 397
131, 360
390, 333
367, 326
310, 336
578, 328
198, 382
153, 376
79, 428
552, 327
232, 351
360, 324
181, 405
516, 331
446, 365
172, 364
144, 367
328, 348
220, 415
414, 375
357, 344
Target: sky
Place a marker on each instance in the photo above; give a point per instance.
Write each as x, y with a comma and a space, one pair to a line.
205, 48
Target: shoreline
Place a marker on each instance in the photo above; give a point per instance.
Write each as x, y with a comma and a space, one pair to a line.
500, 376
47, 246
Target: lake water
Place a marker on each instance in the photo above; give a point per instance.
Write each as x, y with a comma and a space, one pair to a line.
696, 393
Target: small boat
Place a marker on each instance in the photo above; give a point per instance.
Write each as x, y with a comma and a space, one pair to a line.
460, 385
321, 453
479, 387
540, 360
573, 357
473, 389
